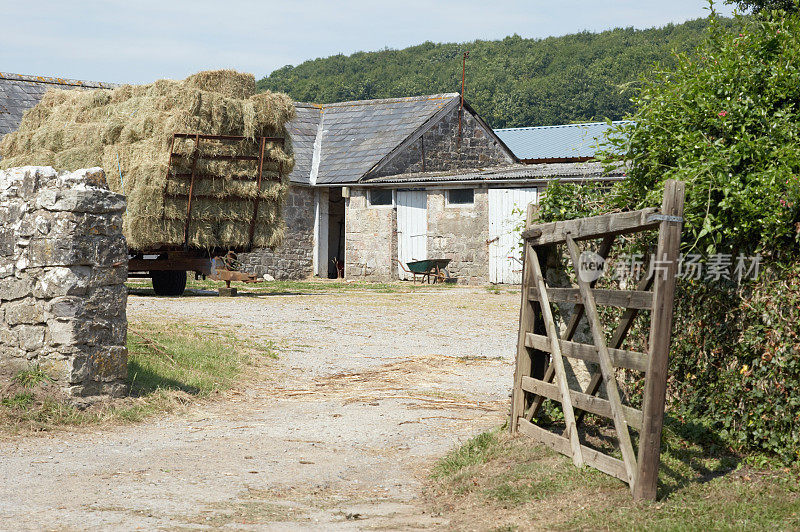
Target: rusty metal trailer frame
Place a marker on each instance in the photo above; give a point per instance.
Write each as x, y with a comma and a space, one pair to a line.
175, 260
196, 155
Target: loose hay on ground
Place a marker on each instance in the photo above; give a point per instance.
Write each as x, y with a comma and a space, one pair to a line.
128, 131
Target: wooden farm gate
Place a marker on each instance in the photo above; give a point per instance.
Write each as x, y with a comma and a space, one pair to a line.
540, 356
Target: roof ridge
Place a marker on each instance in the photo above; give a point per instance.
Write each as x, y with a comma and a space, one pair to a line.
428, 97
308, 105
528, 128
57, 81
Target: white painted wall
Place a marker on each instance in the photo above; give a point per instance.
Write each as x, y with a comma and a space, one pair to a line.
321, 204
504, 231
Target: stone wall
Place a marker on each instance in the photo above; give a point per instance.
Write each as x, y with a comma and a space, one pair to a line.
294, 259
63, 265
459, 233
439, 149
370, 240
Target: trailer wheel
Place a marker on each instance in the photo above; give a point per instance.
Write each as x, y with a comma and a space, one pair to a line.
168, 283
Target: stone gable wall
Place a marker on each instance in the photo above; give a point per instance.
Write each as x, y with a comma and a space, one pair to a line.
440, 149
63, 265
457, 233
294, 259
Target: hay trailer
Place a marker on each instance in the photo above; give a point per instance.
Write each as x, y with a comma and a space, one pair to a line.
168, 265
168, 269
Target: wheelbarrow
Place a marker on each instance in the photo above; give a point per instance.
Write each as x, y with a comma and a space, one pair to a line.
431, 270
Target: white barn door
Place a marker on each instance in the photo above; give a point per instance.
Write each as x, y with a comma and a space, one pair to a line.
505, 264
412, 227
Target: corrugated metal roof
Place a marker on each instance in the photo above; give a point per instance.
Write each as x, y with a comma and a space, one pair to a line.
541, 171
569, 141
19, 93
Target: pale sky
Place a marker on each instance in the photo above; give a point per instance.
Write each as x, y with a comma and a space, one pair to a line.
138, 41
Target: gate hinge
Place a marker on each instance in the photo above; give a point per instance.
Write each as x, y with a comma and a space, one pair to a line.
664, 218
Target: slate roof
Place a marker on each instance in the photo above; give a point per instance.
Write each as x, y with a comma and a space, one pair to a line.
570, 141
575, 171
19, 93
359, 134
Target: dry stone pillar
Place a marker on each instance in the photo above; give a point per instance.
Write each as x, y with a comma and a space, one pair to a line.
63, 265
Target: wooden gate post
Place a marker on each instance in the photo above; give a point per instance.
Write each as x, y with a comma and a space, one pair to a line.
527, 318
665, 268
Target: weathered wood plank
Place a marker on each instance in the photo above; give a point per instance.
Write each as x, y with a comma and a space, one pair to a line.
620, 358
582, 401
525, 362
607, 464
527, 319
606, 367
667, 251
577, 311
557, 362
625, 323
613, 298
574, 321
618, 223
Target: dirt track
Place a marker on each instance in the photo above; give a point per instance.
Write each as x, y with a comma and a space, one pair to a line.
368, 389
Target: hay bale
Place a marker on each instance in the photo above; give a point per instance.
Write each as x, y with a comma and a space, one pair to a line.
228, 82
128, 131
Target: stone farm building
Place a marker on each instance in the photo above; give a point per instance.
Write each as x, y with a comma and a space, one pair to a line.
378, 182
399, 179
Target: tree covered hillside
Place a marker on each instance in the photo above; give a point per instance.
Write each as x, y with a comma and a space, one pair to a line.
512, 82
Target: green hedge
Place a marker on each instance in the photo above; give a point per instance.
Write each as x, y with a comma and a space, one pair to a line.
735, 355
735, 361
726, 121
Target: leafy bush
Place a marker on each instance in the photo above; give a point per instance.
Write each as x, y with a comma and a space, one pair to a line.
735, 361
726, 121
568, 201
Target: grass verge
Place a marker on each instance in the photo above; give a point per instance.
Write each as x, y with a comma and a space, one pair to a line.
499, 482
169, 365
193, 287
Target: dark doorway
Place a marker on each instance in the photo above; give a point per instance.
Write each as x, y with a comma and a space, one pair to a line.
335, 234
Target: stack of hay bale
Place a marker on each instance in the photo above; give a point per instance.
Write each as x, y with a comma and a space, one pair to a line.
129, 132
